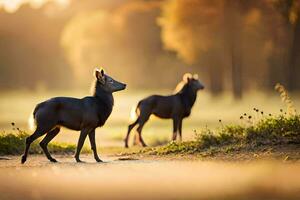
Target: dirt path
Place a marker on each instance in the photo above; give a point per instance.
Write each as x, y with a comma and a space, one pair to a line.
147, 179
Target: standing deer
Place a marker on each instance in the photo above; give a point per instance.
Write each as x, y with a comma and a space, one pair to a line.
83, 115
175, 107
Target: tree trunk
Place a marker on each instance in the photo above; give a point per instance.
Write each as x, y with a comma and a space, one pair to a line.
236, 73
232, 34
294, 61
215, 72
216, 80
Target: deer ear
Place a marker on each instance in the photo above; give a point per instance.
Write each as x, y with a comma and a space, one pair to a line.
195, 76
99, 74
187, 77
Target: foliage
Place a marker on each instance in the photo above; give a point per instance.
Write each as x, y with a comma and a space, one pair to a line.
267, 131
13, 143
252, 132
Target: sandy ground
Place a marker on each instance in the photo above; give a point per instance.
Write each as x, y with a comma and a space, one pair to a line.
147, 178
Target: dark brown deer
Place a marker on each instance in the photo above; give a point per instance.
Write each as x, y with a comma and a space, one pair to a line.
175, 107
84, 114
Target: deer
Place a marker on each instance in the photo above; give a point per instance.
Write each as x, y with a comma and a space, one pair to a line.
84, 115
176, 107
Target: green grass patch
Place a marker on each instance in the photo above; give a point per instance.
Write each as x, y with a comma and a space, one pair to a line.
13, 143
254, 130
277, 130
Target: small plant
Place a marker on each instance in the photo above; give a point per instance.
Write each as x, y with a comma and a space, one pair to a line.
286, 99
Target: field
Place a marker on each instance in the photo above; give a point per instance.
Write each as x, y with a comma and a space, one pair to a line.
270, 173
17, 107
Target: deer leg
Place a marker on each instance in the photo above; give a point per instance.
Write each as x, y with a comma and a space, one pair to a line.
142, 121
83, 134
139, 130
136, 139
130, 127
175, 128
44, 143
37, 133
180, 129
93, 146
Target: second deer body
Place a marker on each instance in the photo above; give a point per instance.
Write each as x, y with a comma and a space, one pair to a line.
175, 107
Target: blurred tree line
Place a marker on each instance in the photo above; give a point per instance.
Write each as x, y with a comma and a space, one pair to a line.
234, 45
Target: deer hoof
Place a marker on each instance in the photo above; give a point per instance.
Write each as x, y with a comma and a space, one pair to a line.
53, 160
23, 160
78, 160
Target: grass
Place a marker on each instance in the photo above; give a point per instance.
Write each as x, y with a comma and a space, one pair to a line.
206, 112
277, 130
254, 130
13, 143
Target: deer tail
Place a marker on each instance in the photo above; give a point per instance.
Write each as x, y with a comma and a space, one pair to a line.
134, 113
32, 119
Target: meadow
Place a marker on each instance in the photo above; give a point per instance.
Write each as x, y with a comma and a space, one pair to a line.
16, 107
222, 156
241, 141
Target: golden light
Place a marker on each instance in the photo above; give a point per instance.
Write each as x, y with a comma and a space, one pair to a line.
12, 6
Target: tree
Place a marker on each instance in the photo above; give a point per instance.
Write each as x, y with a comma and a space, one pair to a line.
232, 34
290, 11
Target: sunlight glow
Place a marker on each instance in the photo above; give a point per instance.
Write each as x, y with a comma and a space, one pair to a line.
12, 6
